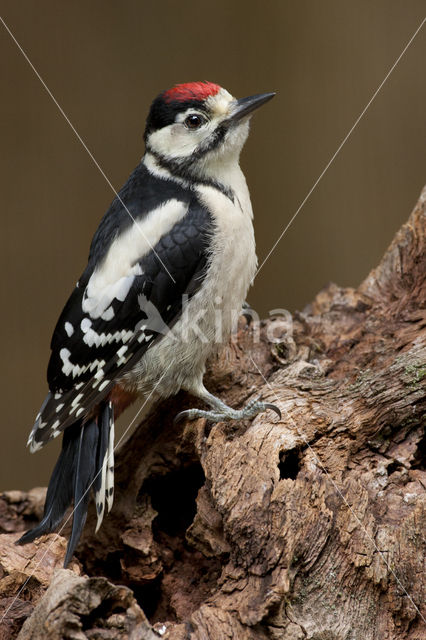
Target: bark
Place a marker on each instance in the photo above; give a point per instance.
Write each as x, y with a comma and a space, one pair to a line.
311, 526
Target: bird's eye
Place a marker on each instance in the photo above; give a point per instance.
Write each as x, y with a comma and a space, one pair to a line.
193, 121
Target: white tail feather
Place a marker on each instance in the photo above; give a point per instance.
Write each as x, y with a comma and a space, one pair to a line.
101, 494
109, 489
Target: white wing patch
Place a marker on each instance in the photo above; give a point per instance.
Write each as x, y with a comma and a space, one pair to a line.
113, 279
97, 303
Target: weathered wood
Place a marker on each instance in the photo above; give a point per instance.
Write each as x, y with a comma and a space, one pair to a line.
80, 607
308, 527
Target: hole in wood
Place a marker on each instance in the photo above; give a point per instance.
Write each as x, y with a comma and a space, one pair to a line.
173, 497
289, 464
420, 455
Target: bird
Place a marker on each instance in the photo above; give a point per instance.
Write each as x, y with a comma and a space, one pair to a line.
174, 252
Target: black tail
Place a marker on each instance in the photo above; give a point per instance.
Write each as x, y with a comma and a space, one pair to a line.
82, 464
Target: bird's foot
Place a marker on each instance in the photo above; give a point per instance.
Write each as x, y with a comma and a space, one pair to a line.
225, 413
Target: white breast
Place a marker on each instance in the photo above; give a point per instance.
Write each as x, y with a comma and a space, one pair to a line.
233, 254
208, 318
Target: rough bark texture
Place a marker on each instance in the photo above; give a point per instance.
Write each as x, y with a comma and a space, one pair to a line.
307, 527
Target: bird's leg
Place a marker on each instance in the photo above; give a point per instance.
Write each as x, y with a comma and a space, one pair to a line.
221, 412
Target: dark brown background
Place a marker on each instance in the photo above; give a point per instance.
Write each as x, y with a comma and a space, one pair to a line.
105, 61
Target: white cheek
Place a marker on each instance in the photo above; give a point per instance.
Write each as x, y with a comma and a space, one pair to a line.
175, 138
184, 140
237, 136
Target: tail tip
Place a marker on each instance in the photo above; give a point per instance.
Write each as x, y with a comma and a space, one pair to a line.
25, 538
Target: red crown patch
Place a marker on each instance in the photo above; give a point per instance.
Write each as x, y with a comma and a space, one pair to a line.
191, 91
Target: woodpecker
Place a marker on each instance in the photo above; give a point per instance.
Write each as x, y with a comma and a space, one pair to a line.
175, 249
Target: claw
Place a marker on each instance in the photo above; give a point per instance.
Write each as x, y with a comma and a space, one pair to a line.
273, 407
180, 416
250, 410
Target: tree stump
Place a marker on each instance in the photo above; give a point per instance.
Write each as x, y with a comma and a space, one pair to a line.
308, 527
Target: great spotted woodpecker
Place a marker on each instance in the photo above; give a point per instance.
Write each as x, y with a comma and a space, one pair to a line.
175, 248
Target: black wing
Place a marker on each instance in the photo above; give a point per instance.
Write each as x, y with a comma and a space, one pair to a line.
88, 353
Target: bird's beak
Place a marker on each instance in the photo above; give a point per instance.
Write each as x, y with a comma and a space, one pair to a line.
244, 106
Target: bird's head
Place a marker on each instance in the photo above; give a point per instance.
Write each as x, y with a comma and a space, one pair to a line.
197, 124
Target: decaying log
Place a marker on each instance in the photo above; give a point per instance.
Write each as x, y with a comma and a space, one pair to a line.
311, 526
73, 604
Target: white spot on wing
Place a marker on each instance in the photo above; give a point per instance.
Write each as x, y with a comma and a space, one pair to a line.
122, 351
85, 324
34, 446
143, 337
69, 329
108, 314
122, 359
68, 368
77, 399
96, 364
91, 337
